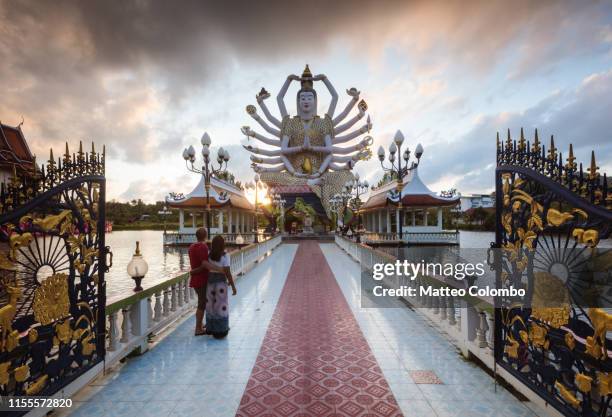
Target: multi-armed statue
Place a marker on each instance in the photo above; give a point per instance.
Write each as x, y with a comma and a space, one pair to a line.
304, 148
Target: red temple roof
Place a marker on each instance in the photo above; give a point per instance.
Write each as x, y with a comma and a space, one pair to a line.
14, 150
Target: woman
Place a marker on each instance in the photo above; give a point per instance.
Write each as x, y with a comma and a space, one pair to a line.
217, 306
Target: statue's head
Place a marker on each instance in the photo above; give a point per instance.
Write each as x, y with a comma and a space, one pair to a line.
307, 102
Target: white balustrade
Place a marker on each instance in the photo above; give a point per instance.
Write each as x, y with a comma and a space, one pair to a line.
133, 320
471, 330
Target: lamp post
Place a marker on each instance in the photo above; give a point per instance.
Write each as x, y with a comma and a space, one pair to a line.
208, 171
355, 189
335, 203
137, 268
165, 213
279, 202
397, 170
256, 185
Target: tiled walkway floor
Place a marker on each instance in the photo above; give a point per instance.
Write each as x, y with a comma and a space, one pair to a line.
202, 377
187, 376
314, 360
403, 342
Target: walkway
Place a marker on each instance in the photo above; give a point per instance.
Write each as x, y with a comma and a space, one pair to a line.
302, 353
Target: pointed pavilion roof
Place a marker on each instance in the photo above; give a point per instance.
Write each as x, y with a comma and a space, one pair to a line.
222, 194
414, 194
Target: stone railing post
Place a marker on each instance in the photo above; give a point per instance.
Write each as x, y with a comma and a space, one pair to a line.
481, 330
181, 297
150, 309
443, 311
166, 303
126, 325
113, 335
185, 284
451, 311
173, 297
139, 316
436, 305
157, 309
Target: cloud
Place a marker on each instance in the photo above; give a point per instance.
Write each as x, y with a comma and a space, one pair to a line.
579, 116
131, 74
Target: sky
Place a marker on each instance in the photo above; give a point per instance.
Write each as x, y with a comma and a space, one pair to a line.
148, 78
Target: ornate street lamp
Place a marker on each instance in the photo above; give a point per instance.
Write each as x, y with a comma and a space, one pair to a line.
208, 170
164, 213
355, 189
279, 202
335, 203
397, 170
256, 185
137, 268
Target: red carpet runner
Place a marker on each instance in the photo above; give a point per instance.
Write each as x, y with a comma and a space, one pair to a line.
314, 360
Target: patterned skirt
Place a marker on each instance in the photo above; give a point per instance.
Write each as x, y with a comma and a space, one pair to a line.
217, 306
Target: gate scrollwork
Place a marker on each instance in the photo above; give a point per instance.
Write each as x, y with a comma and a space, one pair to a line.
52, 265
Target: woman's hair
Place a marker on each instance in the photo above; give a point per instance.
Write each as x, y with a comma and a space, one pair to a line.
217, 248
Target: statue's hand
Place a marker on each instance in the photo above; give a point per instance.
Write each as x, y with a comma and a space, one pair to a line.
319, 77
353, 92
251, 148
293, 77
256, 167
246, 130
366, 128
256, 159
262, 95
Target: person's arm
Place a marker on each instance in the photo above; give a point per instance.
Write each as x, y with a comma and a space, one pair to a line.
206, 266
230, 279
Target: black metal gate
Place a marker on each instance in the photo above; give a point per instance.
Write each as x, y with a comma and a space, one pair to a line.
52, 265
551, 218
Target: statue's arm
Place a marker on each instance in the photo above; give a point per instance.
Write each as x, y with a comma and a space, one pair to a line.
337, 150
332, 92
346, 110
355, 133
341, 167
280, 98
349, 124
265, 152
267, 161
268, 141
325, 149
266, 126
259, 169
267, 113
352, 157
286, 149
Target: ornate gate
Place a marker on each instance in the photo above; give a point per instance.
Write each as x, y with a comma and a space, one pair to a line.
52, 265
551, 218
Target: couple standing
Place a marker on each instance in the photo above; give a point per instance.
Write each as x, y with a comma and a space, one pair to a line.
210, 274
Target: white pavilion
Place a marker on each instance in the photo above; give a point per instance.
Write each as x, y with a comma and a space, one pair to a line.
232, 214
421, 210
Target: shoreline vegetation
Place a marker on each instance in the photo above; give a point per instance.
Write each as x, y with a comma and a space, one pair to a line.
138, 215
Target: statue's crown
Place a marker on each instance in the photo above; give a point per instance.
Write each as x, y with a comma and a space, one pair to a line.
307, 78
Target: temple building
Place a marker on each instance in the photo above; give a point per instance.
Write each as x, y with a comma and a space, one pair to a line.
14, 153
421, 209
292, 222
232, 214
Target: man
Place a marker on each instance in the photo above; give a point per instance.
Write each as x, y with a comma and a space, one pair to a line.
198, 257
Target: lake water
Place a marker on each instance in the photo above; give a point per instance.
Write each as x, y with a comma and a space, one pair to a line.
167, 262
164, 262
